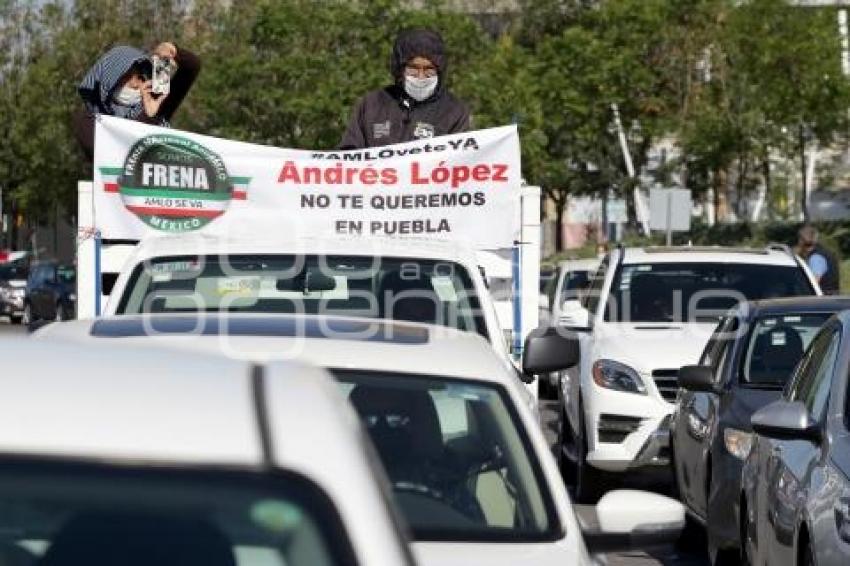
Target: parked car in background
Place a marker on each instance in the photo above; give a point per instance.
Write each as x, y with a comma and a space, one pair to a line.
829, 205
13, 283
568, 280
21, 258
745, 366
796, 480
51, 292
648, 312
149, 456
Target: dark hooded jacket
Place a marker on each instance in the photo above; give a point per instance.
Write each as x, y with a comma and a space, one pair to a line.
98, 87
388, 116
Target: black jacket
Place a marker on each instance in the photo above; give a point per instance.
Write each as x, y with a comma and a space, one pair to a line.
389, 115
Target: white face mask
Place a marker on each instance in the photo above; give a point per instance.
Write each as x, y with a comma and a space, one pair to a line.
127, 96
420, 89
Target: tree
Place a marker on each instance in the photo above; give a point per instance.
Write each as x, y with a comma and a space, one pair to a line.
788, 61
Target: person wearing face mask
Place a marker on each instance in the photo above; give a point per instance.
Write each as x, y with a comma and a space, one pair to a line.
119, 85
417, 105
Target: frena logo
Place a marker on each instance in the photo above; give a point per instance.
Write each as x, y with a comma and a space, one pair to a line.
174, 184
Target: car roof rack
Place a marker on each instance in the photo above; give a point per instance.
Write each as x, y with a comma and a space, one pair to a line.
678, 249
780, 247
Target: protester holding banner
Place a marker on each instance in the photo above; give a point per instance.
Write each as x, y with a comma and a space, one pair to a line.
417, 105
122, 84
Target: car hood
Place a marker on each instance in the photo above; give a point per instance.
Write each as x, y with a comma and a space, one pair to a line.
497, 554
646, 347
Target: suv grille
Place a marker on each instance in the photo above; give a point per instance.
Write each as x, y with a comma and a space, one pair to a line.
667, 382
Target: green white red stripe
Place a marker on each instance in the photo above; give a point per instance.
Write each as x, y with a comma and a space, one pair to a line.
240, 187
167, 205
109, 178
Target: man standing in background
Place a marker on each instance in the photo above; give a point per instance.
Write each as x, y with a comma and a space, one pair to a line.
821, 261
417, 105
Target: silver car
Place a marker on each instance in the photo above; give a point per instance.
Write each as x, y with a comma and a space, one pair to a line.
796, 491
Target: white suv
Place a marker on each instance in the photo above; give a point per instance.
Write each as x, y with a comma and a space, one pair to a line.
647, 312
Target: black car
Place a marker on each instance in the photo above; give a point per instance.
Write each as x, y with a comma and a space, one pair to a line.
745, 366
51, 292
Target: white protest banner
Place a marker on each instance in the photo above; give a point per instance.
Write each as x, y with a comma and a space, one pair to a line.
464, 187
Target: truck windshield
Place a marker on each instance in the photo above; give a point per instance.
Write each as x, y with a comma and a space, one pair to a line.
416, 290
457, 459
696, 292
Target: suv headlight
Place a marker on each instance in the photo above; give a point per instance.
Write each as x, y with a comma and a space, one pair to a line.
738, 443
619, 377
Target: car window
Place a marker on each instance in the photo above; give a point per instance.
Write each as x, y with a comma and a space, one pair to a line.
725, 342
501, 288
574, 282
459, 464
435, 292
813, 379
675, 292
10, 272
594, 289
775, 346
546, 278
552, 286
709, 353
67, 516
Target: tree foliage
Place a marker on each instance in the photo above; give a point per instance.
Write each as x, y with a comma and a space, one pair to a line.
732, 82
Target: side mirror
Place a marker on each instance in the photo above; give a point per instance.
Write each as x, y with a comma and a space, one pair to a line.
548, 349
630, 519
696, 378
573, 315
785, 420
